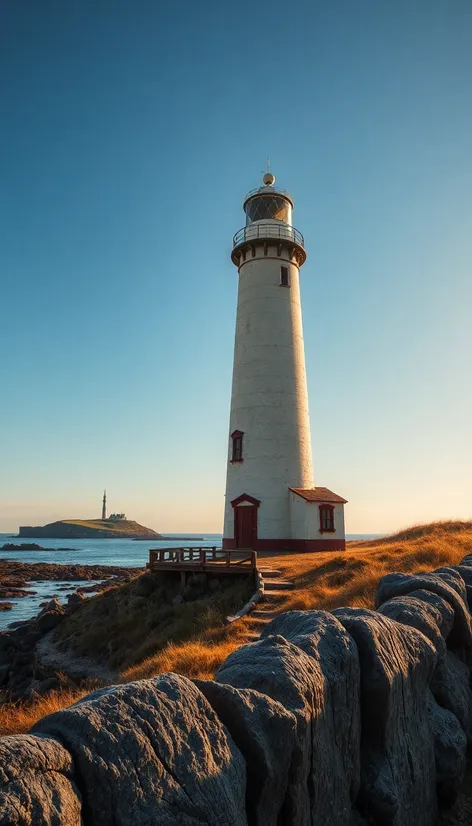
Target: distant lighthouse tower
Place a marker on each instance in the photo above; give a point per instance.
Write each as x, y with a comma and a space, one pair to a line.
271, 500
104, 505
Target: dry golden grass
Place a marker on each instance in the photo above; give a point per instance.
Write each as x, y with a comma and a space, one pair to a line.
16, 718
143, 639
331, 580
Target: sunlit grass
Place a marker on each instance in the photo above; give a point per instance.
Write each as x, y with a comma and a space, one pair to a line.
143, 636
16, 718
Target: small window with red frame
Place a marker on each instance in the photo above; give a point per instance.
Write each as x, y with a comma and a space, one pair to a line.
237, 453
326, 519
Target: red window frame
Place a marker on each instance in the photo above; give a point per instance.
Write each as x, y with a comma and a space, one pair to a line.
237, 446
327, 519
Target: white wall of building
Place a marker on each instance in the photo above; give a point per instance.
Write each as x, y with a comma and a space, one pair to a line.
269, 401
305, 519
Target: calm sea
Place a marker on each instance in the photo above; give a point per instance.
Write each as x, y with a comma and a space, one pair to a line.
122, 552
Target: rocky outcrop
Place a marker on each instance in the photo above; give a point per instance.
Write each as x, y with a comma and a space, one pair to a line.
350, 718
36, 783
152, 752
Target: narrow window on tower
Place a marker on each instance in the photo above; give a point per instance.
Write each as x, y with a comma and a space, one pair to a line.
237, 452
284, 280
326, 519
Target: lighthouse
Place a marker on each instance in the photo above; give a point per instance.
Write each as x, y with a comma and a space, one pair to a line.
272, 502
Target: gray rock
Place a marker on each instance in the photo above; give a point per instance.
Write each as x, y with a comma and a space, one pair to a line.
177, 600
465, 571
279, 669
284, 672
445, 585
450, 680
337, 729
75, 599
152, 752
264, 732
53, 605
46, 622
449, 705
446, 610
36, 783
450, 745
398, 775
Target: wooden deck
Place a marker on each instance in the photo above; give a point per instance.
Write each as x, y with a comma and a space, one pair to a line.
211, 560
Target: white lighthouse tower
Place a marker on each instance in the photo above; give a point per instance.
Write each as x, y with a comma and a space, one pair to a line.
271, 500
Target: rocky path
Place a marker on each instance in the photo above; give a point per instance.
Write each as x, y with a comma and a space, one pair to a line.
76, 667
275, 588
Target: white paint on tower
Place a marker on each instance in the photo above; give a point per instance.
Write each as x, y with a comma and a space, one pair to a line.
269, 401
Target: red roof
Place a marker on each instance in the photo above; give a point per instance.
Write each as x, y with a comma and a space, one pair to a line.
319, 495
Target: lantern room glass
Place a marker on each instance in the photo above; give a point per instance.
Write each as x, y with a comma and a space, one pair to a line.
268, 208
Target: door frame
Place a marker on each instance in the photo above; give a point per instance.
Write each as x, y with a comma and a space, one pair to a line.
246, 501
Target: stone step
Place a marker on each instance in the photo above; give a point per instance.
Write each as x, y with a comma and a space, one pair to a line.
269, 572
278, 585
274, 596
258, 613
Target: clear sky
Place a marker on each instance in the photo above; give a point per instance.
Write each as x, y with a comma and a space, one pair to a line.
130, 132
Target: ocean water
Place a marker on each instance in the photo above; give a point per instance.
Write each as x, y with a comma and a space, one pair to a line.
118, 552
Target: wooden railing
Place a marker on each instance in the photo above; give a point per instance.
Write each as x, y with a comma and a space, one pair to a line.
201, 557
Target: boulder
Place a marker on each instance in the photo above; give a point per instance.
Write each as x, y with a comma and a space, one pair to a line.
450, 680
465, 571
446, 585
264, 732
336, 780
446, 611
75, 599
51, 619
36, 783
450, 746
284, 672
398, 774
52, 605
153, 751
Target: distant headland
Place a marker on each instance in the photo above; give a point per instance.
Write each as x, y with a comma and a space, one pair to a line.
115, 526
89, 529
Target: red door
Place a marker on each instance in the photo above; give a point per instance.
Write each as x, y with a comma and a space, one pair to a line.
246, 516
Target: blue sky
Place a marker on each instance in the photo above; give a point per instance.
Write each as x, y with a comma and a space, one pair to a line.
130, 134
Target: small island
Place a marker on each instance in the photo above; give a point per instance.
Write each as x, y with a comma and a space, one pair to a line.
114, 526
89, 529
